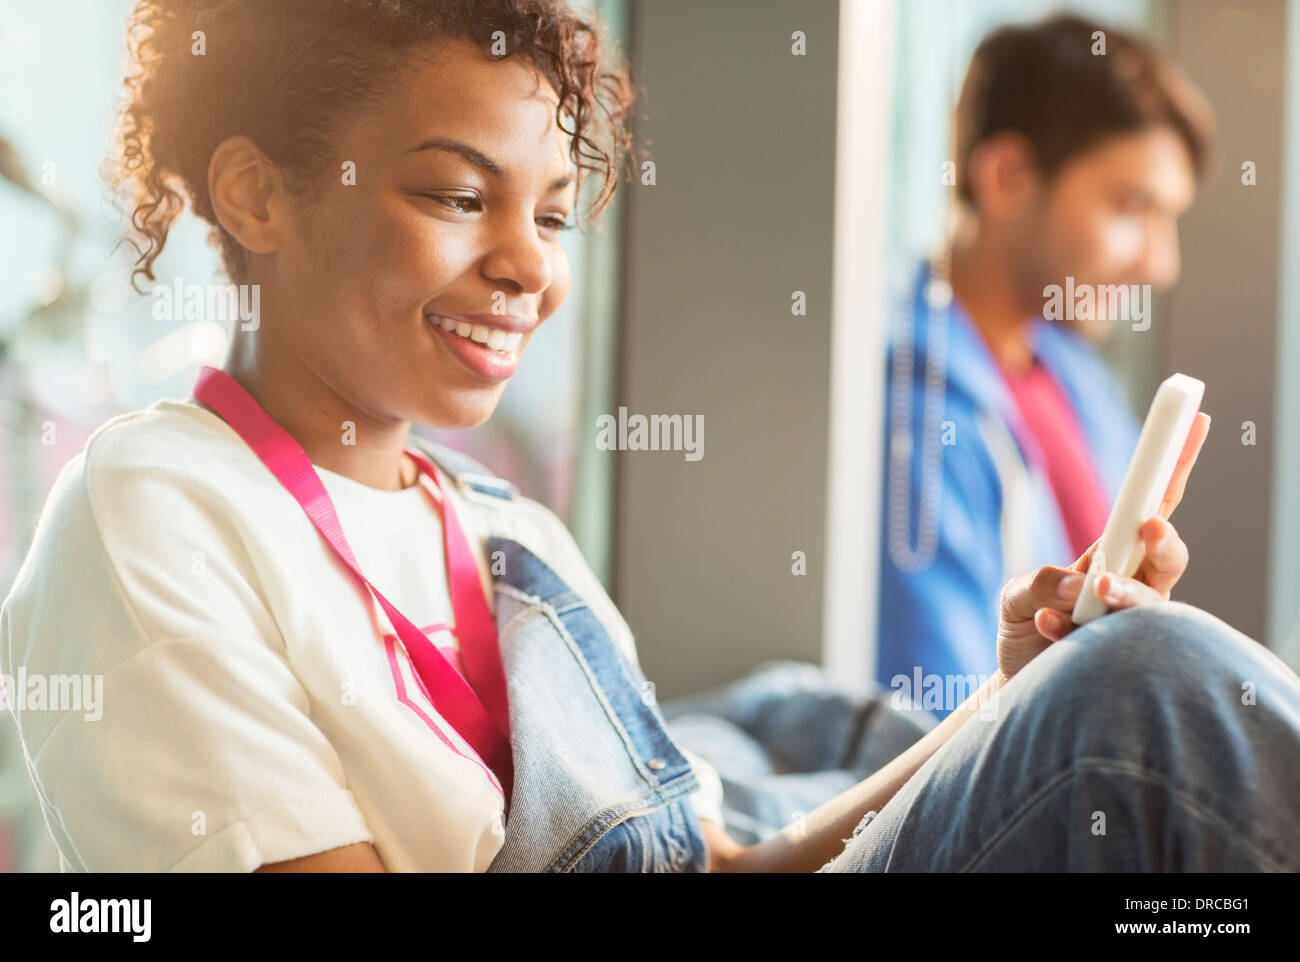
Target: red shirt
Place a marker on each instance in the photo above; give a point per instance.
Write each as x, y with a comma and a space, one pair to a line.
1048, 414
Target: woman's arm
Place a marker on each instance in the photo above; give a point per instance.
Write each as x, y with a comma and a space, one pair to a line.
808, 846
360, 857
1035, 613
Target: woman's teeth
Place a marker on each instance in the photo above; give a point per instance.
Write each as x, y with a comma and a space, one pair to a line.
494, 338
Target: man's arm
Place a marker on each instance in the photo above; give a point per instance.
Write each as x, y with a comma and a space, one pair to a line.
826, 828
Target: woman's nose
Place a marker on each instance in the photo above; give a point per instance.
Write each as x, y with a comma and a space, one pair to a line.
519, 257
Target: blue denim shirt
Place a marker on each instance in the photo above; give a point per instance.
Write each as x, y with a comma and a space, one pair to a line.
600, 786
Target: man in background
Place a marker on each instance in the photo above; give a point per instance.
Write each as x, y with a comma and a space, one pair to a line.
1077, 149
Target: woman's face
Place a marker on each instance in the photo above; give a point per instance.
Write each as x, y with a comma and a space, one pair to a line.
462, 185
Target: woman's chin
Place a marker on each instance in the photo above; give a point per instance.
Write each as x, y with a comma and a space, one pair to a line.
463, 410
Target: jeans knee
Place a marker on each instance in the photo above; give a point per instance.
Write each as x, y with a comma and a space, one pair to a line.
1154, 666
1168, 642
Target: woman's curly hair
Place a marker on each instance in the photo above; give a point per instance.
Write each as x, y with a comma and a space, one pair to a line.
283, 72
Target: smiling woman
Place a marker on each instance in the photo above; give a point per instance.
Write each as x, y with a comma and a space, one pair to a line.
375, 168
327, 644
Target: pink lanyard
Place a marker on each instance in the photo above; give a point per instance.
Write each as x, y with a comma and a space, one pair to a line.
484, 724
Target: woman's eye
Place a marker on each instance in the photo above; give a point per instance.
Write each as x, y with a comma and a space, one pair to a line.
555, 222
460, 203
473, 204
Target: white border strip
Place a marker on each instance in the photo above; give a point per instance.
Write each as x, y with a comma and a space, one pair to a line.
864, 104
1284, 587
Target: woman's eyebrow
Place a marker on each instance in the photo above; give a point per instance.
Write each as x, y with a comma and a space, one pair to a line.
475, 157
479, 159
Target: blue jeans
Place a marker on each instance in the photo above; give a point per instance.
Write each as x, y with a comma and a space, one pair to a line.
786, 738
1153, 739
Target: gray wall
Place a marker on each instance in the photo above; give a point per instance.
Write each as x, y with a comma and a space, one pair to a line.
1224, 311
742, 133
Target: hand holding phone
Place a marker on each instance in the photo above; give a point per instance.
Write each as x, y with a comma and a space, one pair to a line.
1157, 473
1036, 607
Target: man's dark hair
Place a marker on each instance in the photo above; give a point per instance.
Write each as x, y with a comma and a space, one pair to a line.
1044, 81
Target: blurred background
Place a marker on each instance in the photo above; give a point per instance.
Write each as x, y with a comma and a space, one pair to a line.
774, 174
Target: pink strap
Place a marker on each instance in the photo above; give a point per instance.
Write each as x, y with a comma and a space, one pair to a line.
475, 628
485, 724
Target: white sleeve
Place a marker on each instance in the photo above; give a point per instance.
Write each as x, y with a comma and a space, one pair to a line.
194, 748
708, 800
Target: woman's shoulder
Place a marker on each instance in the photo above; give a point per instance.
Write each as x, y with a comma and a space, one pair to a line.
173, 449
139, 475
134, 538
175, 436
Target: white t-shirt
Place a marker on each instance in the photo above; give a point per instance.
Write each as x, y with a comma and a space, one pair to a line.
249, 705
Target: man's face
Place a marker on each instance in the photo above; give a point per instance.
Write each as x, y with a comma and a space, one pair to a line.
1108, 217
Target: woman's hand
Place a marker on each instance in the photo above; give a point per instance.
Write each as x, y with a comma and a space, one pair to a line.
722, 847
1035, 608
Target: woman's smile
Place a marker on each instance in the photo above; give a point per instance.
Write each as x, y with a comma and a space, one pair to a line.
487, 344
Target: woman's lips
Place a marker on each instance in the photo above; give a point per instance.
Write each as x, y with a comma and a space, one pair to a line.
481, 358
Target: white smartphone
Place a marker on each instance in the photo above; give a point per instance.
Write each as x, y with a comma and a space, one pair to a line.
1150, 470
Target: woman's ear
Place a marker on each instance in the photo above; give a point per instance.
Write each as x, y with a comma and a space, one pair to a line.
244, 187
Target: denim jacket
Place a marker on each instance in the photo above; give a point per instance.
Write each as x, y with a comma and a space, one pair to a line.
600, 786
